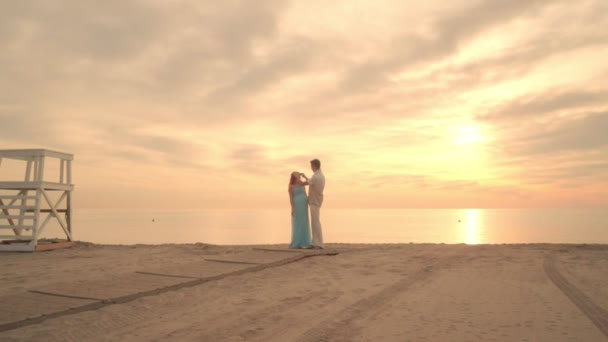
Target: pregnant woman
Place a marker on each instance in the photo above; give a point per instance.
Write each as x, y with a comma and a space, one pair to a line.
300, 226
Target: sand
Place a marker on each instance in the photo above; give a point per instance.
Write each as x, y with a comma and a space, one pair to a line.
409, 292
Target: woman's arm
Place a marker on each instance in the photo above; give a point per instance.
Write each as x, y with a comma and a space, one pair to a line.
306, 182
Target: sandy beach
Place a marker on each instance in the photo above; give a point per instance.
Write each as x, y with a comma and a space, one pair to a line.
408, 292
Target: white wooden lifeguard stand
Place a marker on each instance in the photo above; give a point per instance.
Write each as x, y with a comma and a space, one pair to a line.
21, 202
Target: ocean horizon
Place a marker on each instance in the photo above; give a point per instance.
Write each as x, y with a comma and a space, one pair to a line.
273, 226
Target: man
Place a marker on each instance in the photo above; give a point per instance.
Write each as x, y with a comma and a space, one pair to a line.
315, 200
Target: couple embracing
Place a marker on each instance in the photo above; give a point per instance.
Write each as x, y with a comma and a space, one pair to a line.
300, 203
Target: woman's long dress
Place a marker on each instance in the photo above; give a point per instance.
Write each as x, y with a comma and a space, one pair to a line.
300, 226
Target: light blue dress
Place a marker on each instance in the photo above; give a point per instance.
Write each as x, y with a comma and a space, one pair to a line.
300, 226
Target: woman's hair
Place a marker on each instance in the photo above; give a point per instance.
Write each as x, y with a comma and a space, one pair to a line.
293, 179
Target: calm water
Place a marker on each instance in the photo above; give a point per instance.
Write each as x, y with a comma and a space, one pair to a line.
358, 226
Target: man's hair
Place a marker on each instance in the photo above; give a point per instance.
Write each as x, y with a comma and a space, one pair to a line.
316, 163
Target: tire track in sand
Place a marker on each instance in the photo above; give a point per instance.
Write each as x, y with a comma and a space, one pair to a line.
153, 292
341, 328
597, 314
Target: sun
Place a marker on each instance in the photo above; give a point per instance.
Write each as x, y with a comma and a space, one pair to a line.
468, 135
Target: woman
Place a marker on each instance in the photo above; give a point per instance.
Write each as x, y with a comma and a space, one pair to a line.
300, 226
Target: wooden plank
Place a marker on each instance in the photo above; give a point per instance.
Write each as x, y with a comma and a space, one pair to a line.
59, 155
250, 257
20, 185
198, 269
282, 250
233, 262
40, 247
24, 153
31, 153
34, 186
16, 197
28, 208
46, 210
17, 247
24, 158
57, 186
16, 217
16, 237
15, 227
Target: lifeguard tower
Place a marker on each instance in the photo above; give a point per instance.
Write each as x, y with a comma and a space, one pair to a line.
23, 204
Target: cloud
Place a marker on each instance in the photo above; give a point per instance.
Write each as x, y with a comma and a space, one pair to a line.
581, 170
581, 173
419, 181
512, 62
561, 152
247, 153
442, 82
251, 159
581, 133
139, 48
428, 183
215, 44
448, 34
136, 145
84, 29
287, 62
95, 64
547, 103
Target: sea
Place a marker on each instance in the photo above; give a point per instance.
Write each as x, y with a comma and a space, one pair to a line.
273, 226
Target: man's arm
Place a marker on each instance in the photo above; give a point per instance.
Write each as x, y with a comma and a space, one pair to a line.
308, 181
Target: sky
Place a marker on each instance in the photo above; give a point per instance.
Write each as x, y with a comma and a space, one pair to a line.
190, 104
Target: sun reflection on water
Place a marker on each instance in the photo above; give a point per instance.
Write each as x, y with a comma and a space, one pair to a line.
472, 225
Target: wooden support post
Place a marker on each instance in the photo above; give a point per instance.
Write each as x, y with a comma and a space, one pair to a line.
68, 214
22, 209
40, 175
69, 172
36, 228
61, 171
28, 171
36, 168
